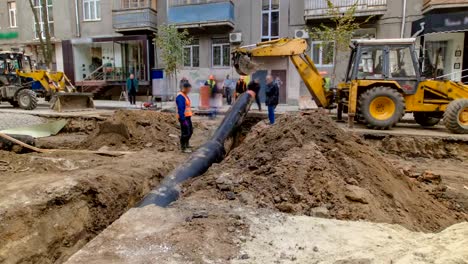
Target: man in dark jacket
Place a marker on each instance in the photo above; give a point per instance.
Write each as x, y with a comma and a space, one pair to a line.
272, 97
255, 87
241, 87
132, 89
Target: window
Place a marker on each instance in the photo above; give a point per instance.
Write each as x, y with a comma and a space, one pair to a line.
221, 53
371, 65
134, 3
12, 14
270, 19
401, 63
40, 14
192, 54
436, 59
91, 10
322, 53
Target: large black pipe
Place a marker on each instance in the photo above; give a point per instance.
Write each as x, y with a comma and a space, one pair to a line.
201, 160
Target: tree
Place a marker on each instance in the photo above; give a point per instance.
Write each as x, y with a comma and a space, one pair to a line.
340, 31
44, 36
172, 42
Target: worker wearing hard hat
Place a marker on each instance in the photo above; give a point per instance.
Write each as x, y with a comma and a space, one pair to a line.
211, 83
184, 114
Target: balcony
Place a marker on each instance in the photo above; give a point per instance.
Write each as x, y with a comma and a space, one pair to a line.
134, 15
202, 14
318, 9
429, 5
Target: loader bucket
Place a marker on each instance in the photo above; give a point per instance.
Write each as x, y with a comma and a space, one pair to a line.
67, 102
243, 64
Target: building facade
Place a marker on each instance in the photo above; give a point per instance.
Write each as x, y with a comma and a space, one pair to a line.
443, 31
98, 43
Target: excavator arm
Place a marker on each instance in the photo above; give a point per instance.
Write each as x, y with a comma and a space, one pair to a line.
295, 49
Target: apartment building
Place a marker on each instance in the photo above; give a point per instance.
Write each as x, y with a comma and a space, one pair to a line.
97, 43
100, 42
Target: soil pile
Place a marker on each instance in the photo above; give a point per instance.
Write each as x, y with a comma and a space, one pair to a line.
136, 130
307, 165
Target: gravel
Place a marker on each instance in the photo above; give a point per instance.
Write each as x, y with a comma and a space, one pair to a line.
10, 120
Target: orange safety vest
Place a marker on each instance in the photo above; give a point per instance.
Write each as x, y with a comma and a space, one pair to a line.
188, 106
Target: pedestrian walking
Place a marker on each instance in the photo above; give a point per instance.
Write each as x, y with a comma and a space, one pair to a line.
184, 115
272, 97
255, 87
241, 87
132, 89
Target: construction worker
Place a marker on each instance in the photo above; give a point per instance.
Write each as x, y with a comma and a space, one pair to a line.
272, 97
227, 88
255, 87
211, 83
184, 114
241, 87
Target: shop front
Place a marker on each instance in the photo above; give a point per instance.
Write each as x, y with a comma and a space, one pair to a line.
444, 42
108, 61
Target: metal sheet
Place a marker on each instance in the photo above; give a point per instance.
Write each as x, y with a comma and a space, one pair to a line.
38, 131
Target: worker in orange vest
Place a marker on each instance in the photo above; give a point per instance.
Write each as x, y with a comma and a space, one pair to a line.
184, 114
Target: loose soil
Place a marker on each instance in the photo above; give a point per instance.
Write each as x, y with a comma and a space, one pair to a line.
305, 164
53, 204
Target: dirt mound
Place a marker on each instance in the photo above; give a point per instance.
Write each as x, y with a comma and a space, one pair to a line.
307, 165
135, 130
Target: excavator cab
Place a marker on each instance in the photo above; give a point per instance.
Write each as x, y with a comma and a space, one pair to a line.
385, 60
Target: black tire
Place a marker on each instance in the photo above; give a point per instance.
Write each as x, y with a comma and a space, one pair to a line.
27, 99
455, 116
427, 119
390, 119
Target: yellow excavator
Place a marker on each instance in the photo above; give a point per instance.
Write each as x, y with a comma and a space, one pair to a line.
21, 86
383, 82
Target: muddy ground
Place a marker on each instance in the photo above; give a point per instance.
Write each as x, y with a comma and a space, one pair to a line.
258, 206
53, 204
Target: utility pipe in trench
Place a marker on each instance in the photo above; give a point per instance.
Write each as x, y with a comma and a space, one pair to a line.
201, 160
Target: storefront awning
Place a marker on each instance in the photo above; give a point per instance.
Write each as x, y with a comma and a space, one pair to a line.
445, 22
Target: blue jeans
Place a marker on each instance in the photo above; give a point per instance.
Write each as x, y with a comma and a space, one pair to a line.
271, 113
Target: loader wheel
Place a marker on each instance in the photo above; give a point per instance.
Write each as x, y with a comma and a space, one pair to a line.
27, 99
381, 107
456, 116
426, 119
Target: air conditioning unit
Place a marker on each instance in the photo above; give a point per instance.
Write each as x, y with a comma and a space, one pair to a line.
301, 33
235, 37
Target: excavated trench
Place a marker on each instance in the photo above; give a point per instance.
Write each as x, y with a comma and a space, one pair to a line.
68, 199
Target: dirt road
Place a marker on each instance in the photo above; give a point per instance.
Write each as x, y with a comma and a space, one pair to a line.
258, 206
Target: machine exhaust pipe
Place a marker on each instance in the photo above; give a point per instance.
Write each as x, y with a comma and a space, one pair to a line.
201, 160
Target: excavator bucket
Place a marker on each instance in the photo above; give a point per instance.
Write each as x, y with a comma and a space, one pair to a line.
243, 64
67, 102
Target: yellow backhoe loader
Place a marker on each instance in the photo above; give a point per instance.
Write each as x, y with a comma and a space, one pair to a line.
383, 82
21, 86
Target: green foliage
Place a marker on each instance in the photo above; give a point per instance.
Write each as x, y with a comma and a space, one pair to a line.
343, 25
171, 42
340, 31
